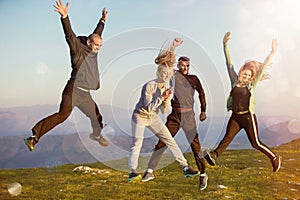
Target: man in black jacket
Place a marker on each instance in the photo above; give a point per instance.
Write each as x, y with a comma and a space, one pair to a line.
84, 77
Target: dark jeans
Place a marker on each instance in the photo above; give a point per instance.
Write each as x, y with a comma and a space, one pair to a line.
71, 97
248, 122
187, 122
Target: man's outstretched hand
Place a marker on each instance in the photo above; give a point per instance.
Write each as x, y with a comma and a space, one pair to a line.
61, 9
104, 13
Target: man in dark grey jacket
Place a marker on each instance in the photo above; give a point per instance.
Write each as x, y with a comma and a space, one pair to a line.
84, 77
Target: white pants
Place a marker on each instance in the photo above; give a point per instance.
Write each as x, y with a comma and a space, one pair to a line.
156, 125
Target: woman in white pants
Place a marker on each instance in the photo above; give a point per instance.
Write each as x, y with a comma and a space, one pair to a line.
155, 97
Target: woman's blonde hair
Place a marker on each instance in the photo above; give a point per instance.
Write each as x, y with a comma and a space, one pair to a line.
166, 55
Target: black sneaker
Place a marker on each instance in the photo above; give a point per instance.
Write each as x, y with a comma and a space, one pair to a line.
190, 172
102, 141
30, 142
203, 181
134, 177
210, 157
276, 163
147, 177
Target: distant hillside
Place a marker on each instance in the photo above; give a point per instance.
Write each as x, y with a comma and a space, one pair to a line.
278, 134
273, 131
55, 150
292, 145
69, 143
20, 120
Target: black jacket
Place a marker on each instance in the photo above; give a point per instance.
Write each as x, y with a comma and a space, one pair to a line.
85, 72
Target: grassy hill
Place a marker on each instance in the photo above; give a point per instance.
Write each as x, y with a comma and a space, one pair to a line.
246, 174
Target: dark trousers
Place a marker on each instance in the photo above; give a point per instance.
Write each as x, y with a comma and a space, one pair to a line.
71, 97
187, 122
248, 122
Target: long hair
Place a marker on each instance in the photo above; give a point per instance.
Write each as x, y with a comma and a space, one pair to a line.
166, 55
255, 67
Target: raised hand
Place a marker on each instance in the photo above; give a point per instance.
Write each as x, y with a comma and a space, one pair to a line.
61, 9
177, 42
226, 38
104, 13
274, 45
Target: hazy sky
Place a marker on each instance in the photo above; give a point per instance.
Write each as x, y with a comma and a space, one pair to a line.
35, 62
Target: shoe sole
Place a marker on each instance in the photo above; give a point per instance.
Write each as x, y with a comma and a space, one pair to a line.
210, 160
146, 180
191, 175
31, 148
94, 139
104, 145
277, 169
135, 179
202, 188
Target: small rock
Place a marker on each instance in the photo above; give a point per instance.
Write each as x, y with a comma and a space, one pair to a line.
221, 187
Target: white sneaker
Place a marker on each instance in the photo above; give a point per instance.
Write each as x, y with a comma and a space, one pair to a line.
148, 177
203, 181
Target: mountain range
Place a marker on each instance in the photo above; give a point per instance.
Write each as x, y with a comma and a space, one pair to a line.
69, 142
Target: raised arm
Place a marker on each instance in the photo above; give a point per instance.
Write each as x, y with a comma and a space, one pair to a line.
226, 39
70, 36
100, 26
266, 62
232, 74
271, 54
166, 55
176, 43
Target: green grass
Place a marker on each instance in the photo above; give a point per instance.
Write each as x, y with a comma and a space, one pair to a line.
247, 174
